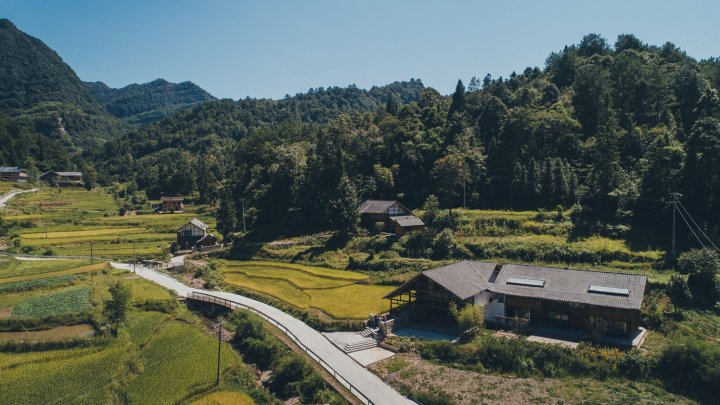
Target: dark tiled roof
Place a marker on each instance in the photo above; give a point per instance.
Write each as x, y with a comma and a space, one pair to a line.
464, 279
376, 206
408, 220
163, 199
567, 285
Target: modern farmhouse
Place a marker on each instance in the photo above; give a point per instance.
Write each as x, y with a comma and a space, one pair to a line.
63, 179
545, 296
13, 174
194, 234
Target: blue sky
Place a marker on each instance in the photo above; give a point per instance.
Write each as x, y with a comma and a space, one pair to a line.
271, 48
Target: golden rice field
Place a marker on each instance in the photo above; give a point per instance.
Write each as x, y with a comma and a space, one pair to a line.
224, 398
340, 294
67, 222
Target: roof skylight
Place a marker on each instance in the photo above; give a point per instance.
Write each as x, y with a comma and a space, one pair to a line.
526, 282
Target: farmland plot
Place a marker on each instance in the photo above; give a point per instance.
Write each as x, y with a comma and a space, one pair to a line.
335, 292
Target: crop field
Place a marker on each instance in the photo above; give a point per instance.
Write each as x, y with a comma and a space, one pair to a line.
224, 398
157, 358
71, 301
67, 222
335, 292
5, 187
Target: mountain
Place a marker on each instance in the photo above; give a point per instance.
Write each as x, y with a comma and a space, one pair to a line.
149, 102
43, 94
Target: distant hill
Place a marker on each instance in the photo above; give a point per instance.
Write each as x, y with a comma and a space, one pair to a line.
149, 102
45, 96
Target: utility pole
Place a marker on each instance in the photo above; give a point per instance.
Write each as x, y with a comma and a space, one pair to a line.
242, 201
219, 328
675, 199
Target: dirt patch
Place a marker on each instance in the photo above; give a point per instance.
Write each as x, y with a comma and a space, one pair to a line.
195, 262
192, 281
6, 312
408, 372
465, 387
49, 335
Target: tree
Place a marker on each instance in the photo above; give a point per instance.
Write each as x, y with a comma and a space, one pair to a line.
704, 284
450, 172
595, 328
679, 292
458, 99
117, 306
225, 216
89, 177
342, 210
444, 245
593, 44
431, 209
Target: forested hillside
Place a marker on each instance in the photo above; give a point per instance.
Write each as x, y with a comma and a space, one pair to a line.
45, 96
610, 130
192, 150
149, 102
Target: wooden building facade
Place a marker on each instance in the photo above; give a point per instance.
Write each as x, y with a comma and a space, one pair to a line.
393, 215
14, 174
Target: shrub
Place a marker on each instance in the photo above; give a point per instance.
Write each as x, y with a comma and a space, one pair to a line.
468, 318
635, 364
441, 350
691, 366
444, 246
679, 292
403, 343
288, 373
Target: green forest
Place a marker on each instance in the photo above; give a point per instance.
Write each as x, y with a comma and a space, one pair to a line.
606, 129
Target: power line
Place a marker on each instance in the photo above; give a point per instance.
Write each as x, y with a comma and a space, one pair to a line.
698, 227
712, 254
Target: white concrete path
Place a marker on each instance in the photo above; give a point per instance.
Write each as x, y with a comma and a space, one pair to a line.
7, 197
362, 380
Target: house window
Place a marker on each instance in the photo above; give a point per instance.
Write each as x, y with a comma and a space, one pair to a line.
557, 318
617, 328
522, 313
395, 211
187, 232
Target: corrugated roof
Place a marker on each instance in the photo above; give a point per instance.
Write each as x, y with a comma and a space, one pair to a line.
376, 206
70, 174
200, 224
568, 285
172, 199
464, 279
408, 220
10, 170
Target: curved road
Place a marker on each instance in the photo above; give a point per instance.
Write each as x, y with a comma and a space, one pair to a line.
7, 197
363, 380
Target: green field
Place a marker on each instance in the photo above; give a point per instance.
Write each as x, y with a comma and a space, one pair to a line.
71, 222
158, 358
340, 294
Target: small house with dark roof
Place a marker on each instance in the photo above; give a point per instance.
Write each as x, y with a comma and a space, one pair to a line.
544, 296
191, 233
15, 174
394, 216
63, 179
172, 204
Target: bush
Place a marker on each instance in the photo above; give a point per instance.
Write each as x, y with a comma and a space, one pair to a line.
403, 343
636, 365
440, 350
691, 366
679, 292
444, 246
469, 317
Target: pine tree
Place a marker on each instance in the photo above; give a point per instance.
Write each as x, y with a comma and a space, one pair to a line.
342, 210
225, 215
458, 99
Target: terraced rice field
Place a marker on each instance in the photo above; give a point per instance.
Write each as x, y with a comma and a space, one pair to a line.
158, 358
340, 294
69, 221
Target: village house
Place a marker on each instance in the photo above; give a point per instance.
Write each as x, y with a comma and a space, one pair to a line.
194, 234
545, 297
393, 216
171, 204
63, 179
15, 174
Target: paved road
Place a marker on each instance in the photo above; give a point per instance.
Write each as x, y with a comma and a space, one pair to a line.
363, 380
7, 197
